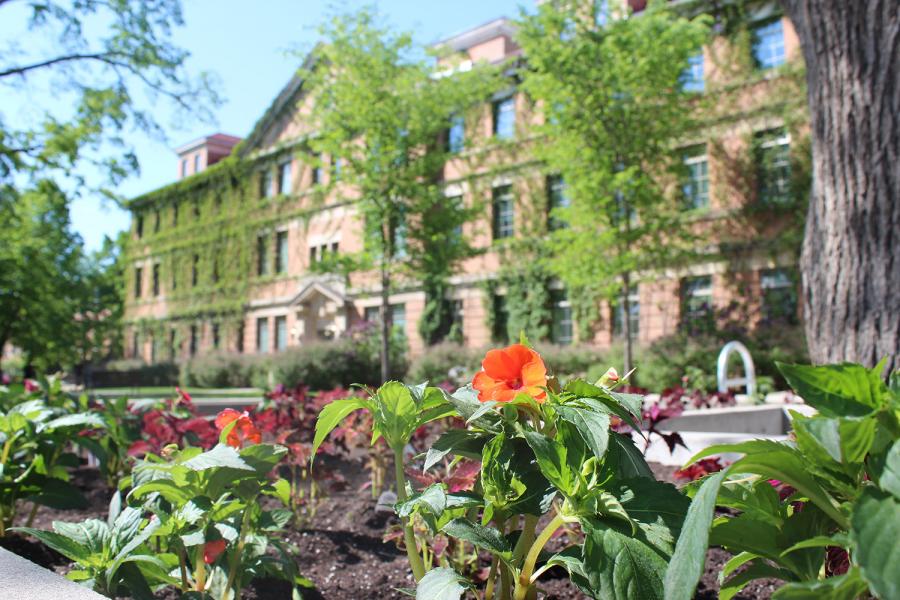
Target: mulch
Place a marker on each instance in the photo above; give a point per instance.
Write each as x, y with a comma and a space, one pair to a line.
341, 548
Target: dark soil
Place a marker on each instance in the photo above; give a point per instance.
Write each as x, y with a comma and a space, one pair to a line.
341, 549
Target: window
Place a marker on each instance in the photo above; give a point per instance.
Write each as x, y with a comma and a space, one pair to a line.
156, 223
773, 166
262, 335
561, 311
371, 313
336, 165
398, 317
501, 318
281, 252
139, 226
334, 247
138, 281
174, 215
262, 255
196, 163
215, 269
284, 178
195, 270
456, 204
696, 186
696, 302
768, 44
217, 204
505, 118
195, 209
172, 344
503, 212
154, 349
215, 336
634, 315
184, 167
239, 338
317, 169
136, 345
174, 277
156, 280
556, 198
265, 184
456, 134
692, 77
399, 233
779, 297
313, 254
194, 340
281, 333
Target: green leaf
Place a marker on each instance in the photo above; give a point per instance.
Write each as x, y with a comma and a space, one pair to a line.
61, 543
625, 459
843, 440
482, 410
570, 560
841, 587
221, 455
81, 420
774, 460
59, 494
591, 425
432, 499
887, 470
687, 562
281, 489
465, 401
396, 413
166, 488
442, 584
462, 442
875, 537
837, 390
839, 539
551, 458
620, 566
480, 536
332, 414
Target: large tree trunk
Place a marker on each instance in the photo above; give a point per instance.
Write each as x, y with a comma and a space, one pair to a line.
851, 251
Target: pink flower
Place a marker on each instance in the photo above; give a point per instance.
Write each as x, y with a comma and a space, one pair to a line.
31, 386
213, 550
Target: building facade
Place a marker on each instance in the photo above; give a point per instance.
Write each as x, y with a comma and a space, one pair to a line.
225, 258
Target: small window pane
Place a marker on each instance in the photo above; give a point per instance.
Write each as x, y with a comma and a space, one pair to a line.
456, 135
768, 45
779, 297
281, 252
156, 280
634, 315
398, 317
773, 164
281, 333
262, 335
505, 118
696, 186
692, 77
284, 178
138, 281
557, 198
504, 215
371, 313
696, 299
262, 255
561, 328
265, 184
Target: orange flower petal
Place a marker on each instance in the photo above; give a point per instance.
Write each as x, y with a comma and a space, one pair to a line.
500, 365
534, 374
225, 417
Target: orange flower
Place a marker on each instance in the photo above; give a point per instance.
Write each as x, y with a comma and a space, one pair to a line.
212, 550
511, 371
243, 431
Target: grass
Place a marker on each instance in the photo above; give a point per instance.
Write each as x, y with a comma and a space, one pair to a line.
167, 391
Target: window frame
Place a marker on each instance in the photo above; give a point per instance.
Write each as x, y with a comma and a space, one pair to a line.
691, 158
281, 333
503, 225
263, 343
285, 177
505, 106
776, 143
764, 57
282, 250
562, 326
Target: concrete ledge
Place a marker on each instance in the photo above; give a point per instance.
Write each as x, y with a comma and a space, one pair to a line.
763, 419
697, 441
23, 580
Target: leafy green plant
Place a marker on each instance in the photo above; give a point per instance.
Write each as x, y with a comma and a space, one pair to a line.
111, 443
212, 528
34, 456
397, 411
831, 528
113, 556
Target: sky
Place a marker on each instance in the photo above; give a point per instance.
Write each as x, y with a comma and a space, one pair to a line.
251, 47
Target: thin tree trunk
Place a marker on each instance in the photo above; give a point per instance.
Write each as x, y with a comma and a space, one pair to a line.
626, 321
851, 252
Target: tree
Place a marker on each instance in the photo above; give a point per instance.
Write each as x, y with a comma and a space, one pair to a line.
614, 114
40, 287
99, 85
380, 111
99, 312
850, 262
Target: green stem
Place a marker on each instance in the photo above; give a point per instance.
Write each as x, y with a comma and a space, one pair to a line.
182, 564
492, 574
526, 539
409, 537
236, 558
32, 514
524, 581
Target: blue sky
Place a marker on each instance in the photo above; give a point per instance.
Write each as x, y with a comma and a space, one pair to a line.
247, 45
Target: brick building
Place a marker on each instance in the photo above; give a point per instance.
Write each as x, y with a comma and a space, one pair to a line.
221, 258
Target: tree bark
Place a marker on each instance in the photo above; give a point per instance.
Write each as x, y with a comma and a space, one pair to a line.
850, 261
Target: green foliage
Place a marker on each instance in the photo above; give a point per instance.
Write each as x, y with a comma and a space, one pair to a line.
103, 58
381, 109
558, 457
113, 556
445, 362
841, 497
36, 430
613, 105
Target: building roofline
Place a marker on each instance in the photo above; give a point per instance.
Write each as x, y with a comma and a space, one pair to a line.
477, 35
216, 137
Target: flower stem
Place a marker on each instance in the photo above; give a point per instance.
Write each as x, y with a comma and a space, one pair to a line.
524, 581
409, 537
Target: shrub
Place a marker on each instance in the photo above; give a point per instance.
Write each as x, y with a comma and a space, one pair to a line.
445, 362
218, 370
132, 373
